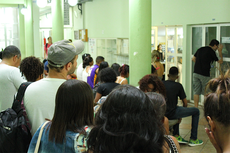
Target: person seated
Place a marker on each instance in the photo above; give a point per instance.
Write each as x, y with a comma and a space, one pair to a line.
151, 83
216, 111
87, 63
123, 124
32, 68
72, 120
173, 91
124, 73
171, 144
107, 77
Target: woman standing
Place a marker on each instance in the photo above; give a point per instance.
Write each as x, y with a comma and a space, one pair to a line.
87, 63
73, 117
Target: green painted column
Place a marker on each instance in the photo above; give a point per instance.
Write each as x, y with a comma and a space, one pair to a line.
28, 17
57, 20
139, 39
22, 32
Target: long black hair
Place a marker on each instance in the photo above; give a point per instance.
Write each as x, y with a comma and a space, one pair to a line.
126, 122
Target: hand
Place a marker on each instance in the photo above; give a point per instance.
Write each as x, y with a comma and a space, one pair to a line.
220, 61
220, 46
213, 141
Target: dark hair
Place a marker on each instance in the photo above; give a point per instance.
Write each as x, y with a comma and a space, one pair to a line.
100, 59
124, 70
84, 56
217, 102
155, 56
214, 42
159, 103
126, 122
107, 75
31, 67
58, 69
173, 71
155, 81
87, 60
9, 52
158, 46
70, 40
116, 67
49, 37
103, 65
73, 109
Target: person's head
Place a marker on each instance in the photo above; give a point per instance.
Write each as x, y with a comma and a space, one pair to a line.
49, 40
88, 61
70, 40
159, 47
11, 55
173, 73
99, 59
62, 55
159, 104
151, 83
84, 56
126, 122
103, 65
155, 56
214, 44
107, 75
124, 70
116, 67
217, 104
32, 68
73, 109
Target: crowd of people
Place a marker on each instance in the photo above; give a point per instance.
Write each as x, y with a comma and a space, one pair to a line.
98, 111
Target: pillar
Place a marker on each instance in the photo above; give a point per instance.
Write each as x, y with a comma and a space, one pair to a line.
139, 39
28, 18
22, 32
57, 20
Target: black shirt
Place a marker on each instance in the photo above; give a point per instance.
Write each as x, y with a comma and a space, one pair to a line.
106, 88
204, 58
173, 91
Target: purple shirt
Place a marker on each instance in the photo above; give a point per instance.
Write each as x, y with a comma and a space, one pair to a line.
91, 77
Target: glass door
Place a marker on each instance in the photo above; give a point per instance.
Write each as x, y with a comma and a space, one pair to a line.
174, 49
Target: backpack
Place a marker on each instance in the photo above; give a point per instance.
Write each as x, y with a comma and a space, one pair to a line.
15, 135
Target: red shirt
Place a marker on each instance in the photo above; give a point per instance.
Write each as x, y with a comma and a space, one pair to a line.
46, 48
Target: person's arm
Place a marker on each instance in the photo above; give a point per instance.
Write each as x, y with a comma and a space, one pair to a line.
166, 125
124, 82
176, 142
220, 54
98, 96
194, 59
185, 103
16, 78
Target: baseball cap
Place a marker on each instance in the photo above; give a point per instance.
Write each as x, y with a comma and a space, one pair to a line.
62, 52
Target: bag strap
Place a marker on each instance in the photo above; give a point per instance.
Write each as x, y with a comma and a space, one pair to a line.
39, 137
16, 106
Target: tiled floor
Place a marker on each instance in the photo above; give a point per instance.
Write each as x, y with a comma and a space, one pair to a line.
185, 129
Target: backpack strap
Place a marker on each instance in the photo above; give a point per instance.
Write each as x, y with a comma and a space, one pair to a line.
17, 101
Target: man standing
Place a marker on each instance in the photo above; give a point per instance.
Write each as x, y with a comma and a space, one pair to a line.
39, 99
46, 47
10, 76
173, 91
203, 59
93, 72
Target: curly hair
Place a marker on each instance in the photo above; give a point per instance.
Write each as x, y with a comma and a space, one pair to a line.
124, 70
31, 67
155, 81
217, 101
126, 122
107, 75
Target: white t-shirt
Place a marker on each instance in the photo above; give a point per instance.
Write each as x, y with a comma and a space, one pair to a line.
85, 74
39, 100
10, 81
79, 71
